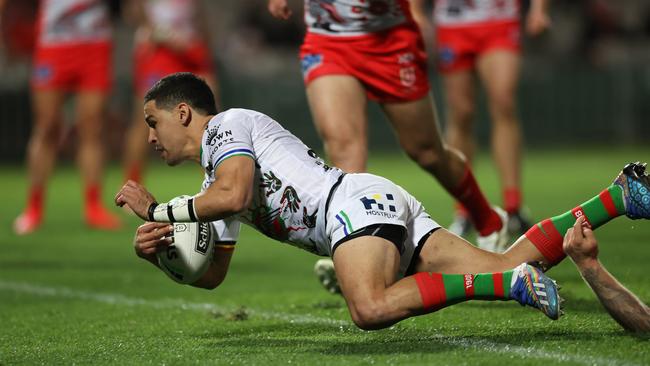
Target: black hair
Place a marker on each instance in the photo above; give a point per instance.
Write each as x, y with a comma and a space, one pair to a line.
182, 87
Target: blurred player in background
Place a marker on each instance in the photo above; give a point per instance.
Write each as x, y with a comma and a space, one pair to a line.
482, 38
72, 56
17, 29
170, 37
356, 51
628, 310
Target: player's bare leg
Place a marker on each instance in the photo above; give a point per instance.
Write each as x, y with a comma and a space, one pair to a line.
338, 106
460, 95
137, 146
416, 125
41, 155
90, 157
459, 133
446, 252
367, 270
499, 73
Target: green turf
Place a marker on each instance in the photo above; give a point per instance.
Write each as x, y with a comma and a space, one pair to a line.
69, 295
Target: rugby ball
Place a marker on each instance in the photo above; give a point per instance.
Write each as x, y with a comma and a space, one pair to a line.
189, 257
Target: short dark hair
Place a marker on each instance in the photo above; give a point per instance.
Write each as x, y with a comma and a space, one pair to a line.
182, 87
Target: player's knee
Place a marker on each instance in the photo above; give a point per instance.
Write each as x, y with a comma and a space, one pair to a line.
342, 143
47, 133
462, 115
367, 315
426, 156
503, 105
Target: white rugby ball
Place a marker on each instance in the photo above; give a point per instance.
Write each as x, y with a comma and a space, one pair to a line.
189, 257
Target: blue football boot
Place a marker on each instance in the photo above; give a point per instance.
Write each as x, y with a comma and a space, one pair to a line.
533, 288
635, 182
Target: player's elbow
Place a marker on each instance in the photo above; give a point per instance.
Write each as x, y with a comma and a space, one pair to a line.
239, 201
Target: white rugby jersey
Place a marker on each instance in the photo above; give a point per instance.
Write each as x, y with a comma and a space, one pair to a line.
291, 183
354, 17
465, 12
73, 21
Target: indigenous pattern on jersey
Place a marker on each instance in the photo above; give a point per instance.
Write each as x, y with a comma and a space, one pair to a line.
291, 183
354, 17
465, 12
73, 21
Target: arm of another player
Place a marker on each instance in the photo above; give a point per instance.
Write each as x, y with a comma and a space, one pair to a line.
631, 313
421, 17
279, 9
537, 20
152, 237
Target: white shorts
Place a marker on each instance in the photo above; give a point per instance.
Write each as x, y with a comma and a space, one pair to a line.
362, 200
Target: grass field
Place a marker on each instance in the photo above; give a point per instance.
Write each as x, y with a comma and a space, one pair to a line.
70, 295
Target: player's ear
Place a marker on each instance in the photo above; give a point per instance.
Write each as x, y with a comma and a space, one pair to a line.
184, 113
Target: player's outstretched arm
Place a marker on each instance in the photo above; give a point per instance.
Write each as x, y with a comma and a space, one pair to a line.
231, 192
628, 310
217, 271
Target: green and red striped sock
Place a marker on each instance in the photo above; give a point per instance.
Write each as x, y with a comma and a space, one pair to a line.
547, 236
439, 290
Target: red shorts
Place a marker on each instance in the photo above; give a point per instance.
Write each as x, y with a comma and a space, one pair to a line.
153, 62
458, 47
73, 67
391, 65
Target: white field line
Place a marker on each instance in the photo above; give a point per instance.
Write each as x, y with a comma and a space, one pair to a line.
461, 342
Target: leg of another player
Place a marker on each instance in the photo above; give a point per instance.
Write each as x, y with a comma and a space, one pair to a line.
445, 252
338, 106
41, 155
416, 125
459, 133
137, 146
90, 157
499, 72
460, 100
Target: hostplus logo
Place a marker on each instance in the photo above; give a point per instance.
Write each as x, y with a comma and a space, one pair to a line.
380, 205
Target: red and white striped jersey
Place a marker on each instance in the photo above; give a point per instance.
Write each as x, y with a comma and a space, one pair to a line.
354, 17
468, 12
73, 21
175, 17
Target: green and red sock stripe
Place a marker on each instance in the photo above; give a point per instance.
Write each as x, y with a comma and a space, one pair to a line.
547, 236
440, 290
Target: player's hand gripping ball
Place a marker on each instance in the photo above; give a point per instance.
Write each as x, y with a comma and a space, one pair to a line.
189, 257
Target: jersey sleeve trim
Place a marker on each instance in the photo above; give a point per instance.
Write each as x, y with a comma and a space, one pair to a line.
234, 152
